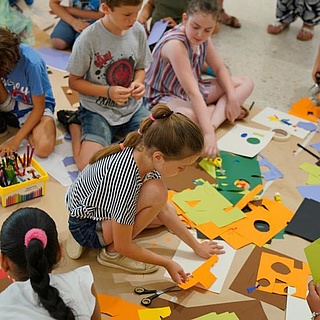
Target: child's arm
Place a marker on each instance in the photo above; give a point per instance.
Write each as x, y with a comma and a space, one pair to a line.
32, 120
175, 52
96, 313
72, 15
118, 94
146, 13
313, 297
170, 219
225, 81
122, 239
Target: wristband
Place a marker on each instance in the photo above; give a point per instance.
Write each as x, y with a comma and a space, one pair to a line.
108, 91
315, 315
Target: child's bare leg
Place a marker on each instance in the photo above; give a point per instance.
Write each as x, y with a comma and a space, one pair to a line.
243, 88
152, 198
43, 137
82, 151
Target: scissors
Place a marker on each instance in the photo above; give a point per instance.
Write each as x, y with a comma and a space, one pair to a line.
156, 293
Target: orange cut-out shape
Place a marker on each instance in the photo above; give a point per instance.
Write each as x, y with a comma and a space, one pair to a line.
280, 278
117, 308
202, 275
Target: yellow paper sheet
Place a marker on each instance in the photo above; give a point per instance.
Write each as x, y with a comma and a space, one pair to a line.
154, 313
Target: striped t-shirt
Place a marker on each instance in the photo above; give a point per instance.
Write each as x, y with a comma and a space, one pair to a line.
108, 189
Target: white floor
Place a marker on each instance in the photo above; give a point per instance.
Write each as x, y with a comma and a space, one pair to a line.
280, 65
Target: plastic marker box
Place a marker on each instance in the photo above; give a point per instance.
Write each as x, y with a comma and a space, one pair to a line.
26, 190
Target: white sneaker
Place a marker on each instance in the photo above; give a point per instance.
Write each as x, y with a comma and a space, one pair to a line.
74, 249
120, 262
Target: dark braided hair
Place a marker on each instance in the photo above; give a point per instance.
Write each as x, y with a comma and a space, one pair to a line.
172, 133
34, 261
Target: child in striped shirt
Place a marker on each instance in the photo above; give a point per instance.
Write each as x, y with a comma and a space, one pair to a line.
120, 193
174, 75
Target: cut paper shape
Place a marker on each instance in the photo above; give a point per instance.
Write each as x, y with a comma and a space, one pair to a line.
274, 118
245, 141
247, 278
306, 222
312, 252
186, 179
273, 172
314, 172
310, 192
117, 308
296, 308
244, 231
215, 316
210, 205
316, 146
202, 275
158, 29
56, 59
207, 165
276, 273
244, 310
237, 168
187, 258
305, 109
307, 126
154, 313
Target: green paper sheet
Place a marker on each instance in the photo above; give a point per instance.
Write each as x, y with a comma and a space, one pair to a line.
209, 207
312, 252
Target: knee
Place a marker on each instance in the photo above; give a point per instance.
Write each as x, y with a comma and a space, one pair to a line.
59, 44
248, 83
43, 150
154, 192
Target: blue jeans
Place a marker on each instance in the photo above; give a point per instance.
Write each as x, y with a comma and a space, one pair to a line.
87, 232
64, 32
97, 129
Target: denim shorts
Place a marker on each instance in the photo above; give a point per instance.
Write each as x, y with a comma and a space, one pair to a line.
87, 232
97, 129
65, 32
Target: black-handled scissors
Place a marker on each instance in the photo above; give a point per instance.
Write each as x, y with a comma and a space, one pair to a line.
156, 293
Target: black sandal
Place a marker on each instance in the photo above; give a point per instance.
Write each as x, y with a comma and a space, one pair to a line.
67, 117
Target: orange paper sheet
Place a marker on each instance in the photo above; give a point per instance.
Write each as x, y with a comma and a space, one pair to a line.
117, 308
276, 273
202, 275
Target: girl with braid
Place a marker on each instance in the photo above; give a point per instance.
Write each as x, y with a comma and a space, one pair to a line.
120, 193
29, 251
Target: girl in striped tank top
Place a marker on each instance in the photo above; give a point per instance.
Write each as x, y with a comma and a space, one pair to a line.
174, 76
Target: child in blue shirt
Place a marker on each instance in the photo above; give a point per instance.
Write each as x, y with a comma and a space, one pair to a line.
26, 98
73, 20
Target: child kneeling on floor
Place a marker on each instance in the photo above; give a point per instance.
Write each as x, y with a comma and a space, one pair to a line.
29, 251
120, 193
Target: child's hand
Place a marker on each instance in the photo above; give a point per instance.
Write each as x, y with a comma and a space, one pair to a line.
233, 110
210, 149
208, 248
313, 297
120, 95
79, 25
177, 273
9, 147
138, 90
171, 22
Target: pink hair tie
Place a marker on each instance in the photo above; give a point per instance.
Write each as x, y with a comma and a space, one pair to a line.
35, 233
139, 132
152, 117
121, 145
